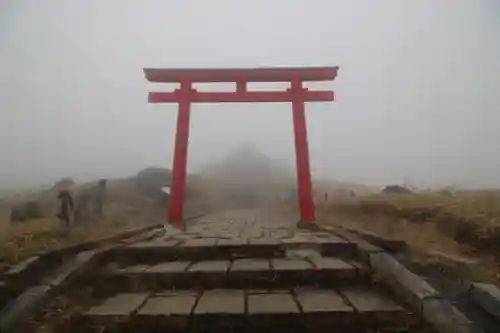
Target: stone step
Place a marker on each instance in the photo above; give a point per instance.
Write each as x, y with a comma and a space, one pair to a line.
192, 249
312, 310
239, 273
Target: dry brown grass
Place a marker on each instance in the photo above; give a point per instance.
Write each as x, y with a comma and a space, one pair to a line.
125, 207
479, 207
19, 241
462, 223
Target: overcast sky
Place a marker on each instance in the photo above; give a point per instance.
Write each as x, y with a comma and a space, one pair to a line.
417, 92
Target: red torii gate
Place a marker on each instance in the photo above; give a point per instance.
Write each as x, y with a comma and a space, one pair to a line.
185, 95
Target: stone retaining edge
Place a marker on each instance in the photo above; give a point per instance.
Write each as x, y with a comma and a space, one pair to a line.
487, 296
30, 267
421, 297
27, 304
387, 243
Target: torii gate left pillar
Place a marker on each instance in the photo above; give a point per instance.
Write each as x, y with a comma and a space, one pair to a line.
186, 95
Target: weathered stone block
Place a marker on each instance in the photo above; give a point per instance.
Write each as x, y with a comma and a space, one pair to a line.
334, 266
173, 304
290, 265
121, 305
210, 266
271, 304
23, 266
326, 300
199, 242
220, 302
392, 244
409, 285
488, 297
169, 267
354, 246
133, 269
24, 307
72, 269
250, 265
372, 305
446, 318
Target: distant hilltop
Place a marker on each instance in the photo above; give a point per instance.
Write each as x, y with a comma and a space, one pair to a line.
247, 165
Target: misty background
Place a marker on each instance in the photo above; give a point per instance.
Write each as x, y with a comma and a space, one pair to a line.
417, 90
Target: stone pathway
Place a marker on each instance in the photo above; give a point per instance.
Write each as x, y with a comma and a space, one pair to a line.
243, 224
238, 270
243, 269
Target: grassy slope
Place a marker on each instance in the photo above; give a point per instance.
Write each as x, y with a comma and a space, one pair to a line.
463, 224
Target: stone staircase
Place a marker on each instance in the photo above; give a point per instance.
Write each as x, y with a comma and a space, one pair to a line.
233, 271
298, 282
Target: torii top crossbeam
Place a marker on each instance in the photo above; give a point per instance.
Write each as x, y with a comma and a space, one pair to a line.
262, 74
241, 77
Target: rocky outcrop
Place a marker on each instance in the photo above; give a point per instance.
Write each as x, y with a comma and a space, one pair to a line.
395, 189
150, 181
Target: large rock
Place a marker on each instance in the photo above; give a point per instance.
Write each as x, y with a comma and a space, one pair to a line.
150, 180
395, 189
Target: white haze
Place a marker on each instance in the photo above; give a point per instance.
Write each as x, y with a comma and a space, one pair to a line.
417, 91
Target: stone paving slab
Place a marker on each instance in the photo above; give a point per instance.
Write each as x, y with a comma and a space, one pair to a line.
121, 305
290, 265
335, 266
133, 269
169, 267
199, 242
271, 304
260, 301
322, 301
180, 303
210, 266
221, 301
366, 300
220, 309
250, 265
325, 263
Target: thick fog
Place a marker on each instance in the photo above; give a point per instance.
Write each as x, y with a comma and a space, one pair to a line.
417, 90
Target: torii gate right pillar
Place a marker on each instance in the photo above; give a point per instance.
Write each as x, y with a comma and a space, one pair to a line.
306, 204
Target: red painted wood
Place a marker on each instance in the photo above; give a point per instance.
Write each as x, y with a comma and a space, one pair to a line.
306, 204
236, 97
275, 74
178, 181
186, 95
